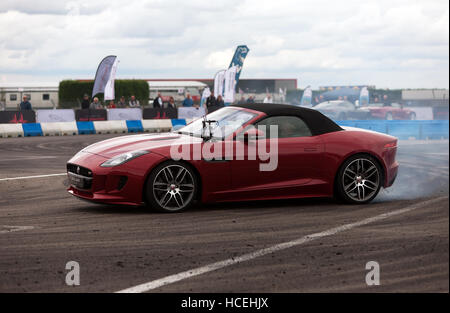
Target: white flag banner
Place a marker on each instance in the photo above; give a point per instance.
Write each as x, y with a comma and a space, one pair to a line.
103, 74
218, 83
230, 80
206, 93
109, 88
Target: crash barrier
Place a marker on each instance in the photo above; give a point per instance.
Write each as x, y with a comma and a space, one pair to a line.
54, 116
434, 129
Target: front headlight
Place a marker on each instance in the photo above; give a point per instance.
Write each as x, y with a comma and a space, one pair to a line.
122, 158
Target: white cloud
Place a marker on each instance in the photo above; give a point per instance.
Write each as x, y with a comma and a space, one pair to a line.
385, 43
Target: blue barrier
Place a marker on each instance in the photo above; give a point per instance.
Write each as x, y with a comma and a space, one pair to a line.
135, 126
178, 121
85, 128
434, 129
32, 129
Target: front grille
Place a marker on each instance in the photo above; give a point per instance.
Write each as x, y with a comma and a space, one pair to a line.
79, 170
79, 177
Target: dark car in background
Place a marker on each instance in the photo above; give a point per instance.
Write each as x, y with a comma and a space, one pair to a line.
342, 110
391, 111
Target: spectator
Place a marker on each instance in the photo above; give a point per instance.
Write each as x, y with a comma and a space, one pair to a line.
345, 98
386, 102
251, 99
158, 103
219, 101
134, 103
171, 103
111, 105
268, 99
375, 99
25, 104
211, 100
188, 102
95, 105
340, 98
122, 103
242, 101
85, 103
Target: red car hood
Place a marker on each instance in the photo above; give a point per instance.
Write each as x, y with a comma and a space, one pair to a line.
115, 146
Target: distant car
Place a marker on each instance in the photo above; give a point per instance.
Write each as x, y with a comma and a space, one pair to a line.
393, 111
315, 158
341, 110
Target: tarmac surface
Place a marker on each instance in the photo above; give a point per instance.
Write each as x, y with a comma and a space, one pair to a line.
42, 227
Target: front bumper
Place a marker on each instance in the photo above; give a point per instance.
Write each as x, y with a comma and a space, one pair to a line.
122, 184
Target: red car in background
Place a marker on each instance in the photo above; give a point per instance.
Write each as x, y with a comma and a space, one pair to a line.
392, 111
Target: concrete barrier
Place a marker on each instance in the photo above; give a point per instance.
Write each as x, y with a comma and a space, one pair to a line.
85, 128
11, 130
110, 127
155, 126
135, 126
32, 129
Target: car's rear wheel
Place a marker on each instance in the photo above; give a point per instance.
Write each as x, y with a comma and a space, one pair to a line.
171, 187
359, 179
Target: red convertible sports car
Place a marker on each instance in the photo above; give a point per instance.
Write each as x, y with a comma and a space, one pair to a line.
392, 111
300, 153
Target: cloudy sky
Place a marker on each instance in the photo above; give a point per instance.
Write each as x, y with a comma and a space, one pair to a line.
387, 43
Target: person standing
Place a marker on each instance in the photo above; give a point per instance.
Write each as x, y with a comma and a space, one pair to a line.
219, 101
268, 99
134, 103
95, 105
85, 103
25, 104
122, 103
158, 102
251, 99
188, 102
211, 100
171, 104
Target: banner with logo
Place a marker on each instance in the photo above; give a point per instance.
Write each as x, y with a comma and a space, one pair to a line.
238, 60
218, 82
109, 88
25, 116
364, 96
306, 98
124, 114
188, 113
53, 116
103, 74
160, 113
230, 82
83, 115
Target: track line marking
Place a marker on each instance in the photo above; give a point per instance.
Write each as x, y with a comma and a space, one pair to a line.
35, 176
10, 229
278, 247
28, 158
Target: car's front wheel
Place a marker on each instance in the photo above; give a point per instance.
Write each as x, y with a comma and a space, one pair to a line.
359, 179
171, 187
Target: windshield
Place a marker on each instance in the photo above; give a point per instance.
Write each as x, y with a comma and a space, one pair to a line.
228, 120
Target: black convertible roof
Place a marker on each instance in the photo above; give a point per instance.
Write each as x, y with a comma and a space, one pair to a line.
316, 121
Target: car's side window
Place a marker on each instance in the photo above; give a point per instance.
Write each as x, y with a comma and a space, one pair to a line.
288, 126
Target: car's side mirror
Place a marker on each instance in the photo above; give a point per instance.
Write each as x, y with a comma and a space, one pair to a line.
253, 134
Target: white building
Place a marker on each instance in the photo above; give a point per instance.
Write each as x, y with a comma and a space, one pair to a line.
41, 96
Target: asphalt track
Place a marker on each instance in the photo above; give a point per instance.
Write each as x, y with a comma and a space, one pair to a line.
42, 228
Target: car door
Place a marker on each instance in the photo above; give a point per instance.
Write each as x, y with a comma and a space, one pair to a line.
286, 160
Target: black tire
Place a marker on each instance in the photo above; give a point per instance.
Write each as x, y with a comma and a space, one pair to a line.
354, 188
168, 187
